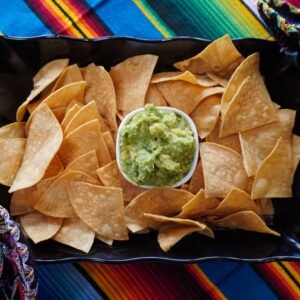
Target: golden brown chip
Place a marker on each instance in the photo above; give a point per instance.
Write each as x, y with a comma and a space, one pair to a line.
70, 113
264, 207
40, 227
109, 141
257, 143
296, 151
55, 167
111, 176
12, 150
55, 202
103, 239
222, 168
44, 77
44, 139
219, 57
184, 187
197, 181
198, 206
247, 68
87, 163
33, 105
231, 141
219, 80
154, 96
76, 234
206, 114
13, 130
100, 89
246, 220
250, 108
162, 201
59, 113
186, 96
43, 185
170, 234
274, 176
131, 79
101, 208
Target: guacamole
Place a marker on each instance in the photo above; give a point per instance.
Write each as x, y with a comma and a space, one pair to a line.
156, 147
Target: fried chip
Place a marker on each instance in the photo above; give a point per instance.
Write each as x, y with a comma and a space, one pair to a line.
222, 168
101, 208
257, 143
247, 68
170, 234
154, 96
250, 107
75, 233
70, 113
100, 89
44, 139
219, 80
104, 240
40, 227
44, 77
13, 130
231, 141
55, 167
12, 150
109, 141
110, 176
197, 181
246, 220
186, 96
264, 207
274, 176
59, 113
33, 105
87, 163
55, 202
219, 57
184, 187
162, 201
131, 79
206, 114
198, 206
296, 151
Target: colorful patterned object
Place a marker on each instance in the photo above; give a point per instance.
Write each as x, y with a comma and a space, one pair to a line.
17, 273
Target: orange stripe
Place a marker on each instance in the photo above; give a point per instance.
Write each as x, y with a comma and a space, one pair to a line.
205, 282
291, 269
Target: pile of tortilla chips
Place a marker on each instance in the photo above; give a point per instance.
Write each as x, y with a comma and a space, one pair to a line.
60, 164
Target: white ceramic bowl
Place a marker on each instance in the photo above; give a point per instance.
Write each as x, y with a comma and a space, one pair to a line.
195, 159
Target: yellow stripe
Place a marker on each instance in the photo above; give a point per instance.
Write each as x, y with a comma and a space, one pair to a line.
291, 270
151, 19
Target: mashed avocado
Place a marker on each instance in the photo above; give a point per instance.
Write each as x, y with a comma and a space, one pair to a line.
156, 147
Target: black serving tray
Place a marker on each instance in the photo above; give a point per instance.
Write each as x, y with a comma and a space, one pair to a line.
20, 58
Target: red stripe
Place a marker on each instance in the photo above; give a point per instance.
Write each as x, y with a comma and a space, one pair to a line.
296, 266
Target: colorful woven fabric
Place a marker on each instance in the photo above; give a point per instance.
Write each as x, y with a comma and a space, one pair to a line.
155, 19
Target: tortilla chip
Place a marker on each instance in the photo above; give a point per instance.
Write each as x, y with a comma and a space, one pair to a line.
110, 176
101, 208
59, 113
100, 89
162, 201
235, 201
40, 227
44, 77
231, 141
184, 187
257, 143
70, 74
197, 181
23, 201
198, 206
33, 105
222, 168
103, 239
264, 207
43, 185
55, 202
109, 141
250, 108
87, 163
296, 151
186, 96
70, 113
154, 96
12, 150
44, 139
246, 220
219, 80
274, 176
131, 79
55, 167
76, 234
86, 113
219, 57
171, 234
13, 130
247, 68
206, 115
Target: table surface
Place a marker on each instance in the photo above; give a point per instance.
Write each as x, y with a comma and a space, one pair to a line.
154, 19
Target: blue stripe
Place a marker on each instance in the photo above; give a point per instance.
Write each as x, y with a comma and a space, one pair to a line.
64, 281
238, 280
17, 19
123, 17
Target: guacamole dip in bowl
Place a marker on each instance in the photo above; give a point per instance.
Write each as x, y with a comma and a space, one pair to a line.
157, 147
